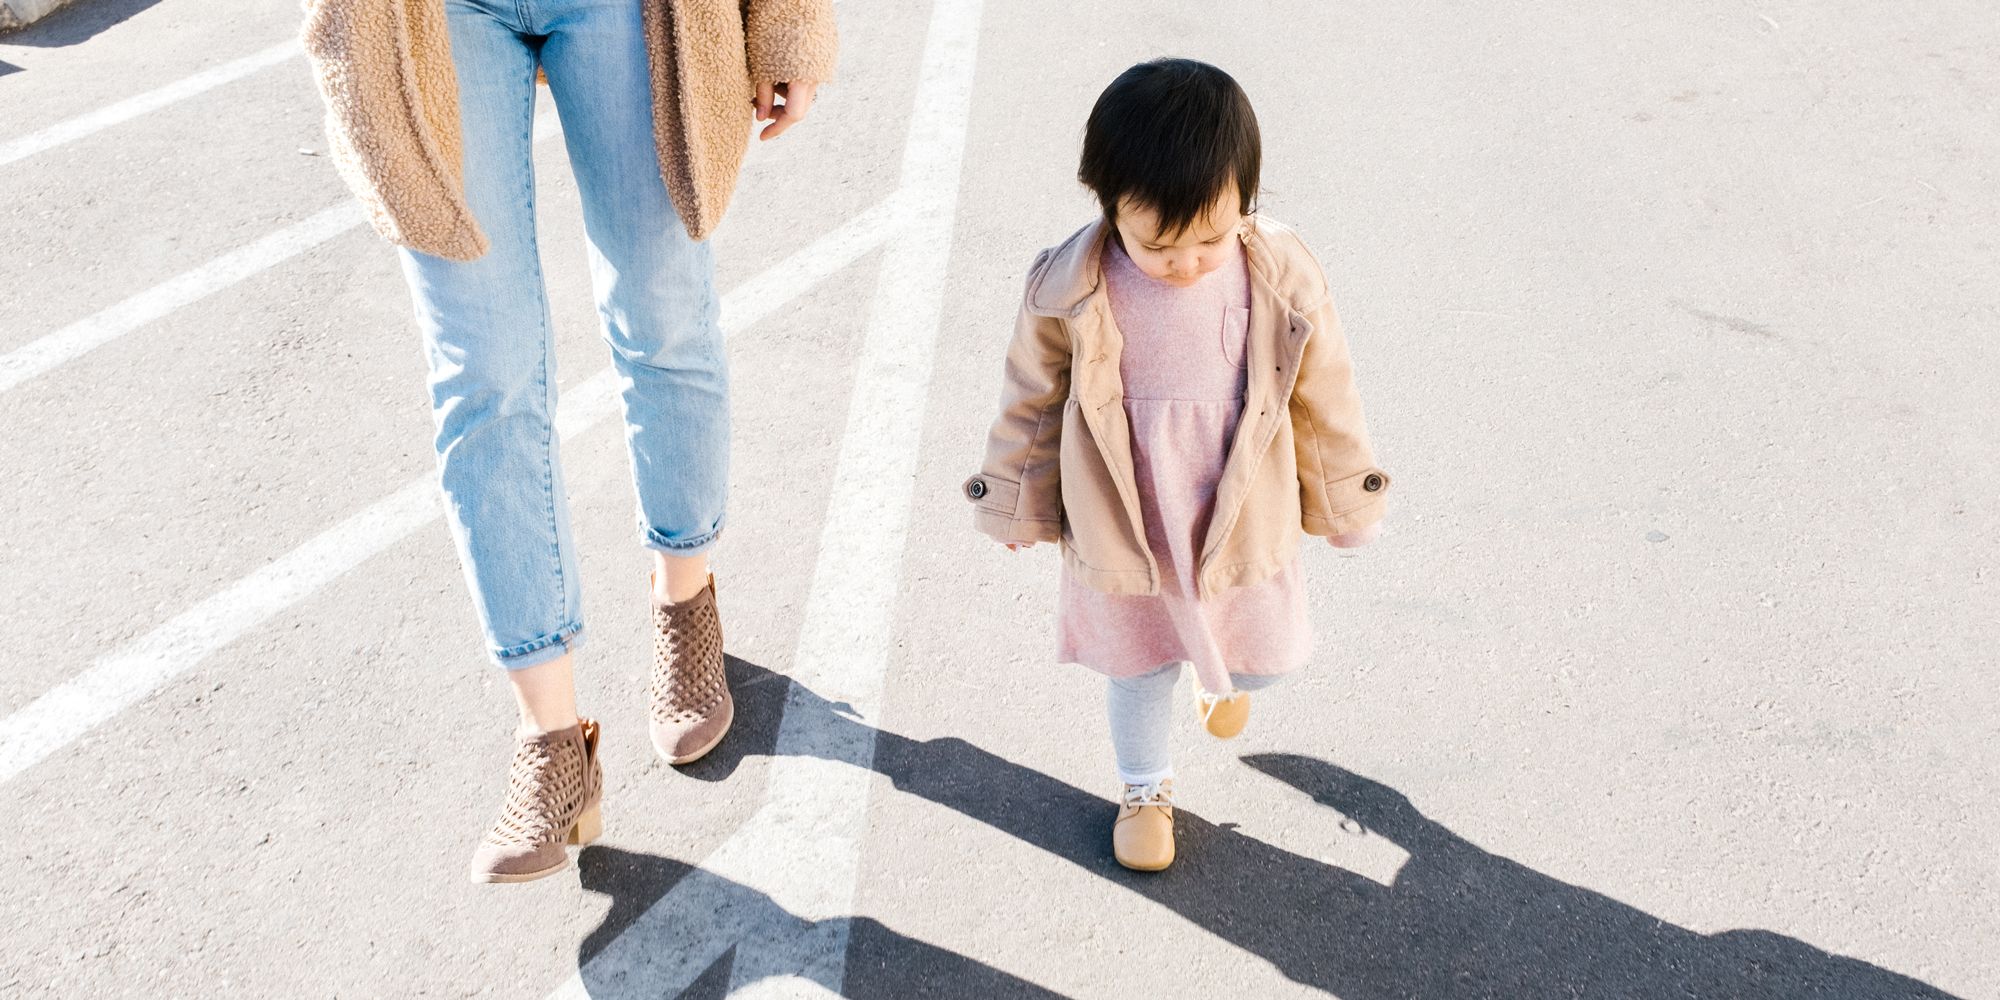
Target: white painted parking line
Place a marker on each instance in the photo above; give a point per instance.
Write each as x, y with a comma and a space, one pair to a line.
47, 352
122, 678
139, 104
100, 328
800, 853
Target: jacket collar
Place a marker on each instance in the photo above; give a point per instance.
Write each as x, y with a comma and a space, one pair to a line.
1073, 272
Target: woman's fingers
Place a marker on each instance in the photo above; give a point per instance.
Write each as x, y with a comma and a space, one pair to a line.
798, 96
764, 101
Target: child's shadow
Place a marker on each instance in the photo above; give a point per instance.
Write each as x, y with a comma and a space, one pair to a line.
1458, 921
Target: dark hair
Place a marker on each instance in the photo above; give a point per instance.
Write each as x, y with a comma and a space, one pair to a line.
1171, 134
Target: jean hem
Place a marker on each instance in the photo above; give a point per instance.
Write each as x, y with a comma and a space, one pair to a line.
653, 539
555, 645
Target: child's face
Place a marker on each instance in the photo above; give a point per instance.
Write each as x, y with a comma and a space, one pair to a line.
1181, 259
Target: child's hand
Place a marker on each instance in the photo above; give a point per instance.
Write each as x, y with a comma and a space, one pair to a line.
1355, 539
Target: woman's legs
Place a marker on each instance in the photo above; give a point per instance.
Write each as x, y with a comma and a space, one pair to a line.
546, 695
655, 287
678, 578
487, 335
660, 314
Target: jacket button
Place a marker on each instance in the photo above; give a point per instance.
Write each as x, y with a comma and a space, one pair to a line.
1372, 484
976, 489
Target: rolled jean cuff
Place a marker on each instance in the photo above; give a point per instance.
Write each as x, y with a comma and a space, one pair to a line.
534, 653
653, 539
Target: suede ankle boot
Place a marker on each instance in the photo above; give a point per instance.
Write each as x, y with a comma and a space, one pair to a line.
692, 708
554, 793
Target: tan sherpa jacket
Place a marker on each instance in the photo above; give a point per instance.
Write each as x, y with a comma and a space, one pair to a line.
1059, 465
384, 69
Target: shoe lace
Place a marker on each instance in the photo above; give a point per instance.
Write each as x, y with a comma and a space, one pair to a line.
1155, 793
1208, 702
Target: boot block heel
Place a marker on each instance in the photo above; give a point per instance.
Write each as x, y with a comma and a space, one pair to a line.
589, 826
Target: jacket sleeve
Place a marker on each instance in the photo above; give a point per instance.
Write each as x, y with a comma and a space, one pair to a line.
384, 70
1017, 495
1340, 487
790, 40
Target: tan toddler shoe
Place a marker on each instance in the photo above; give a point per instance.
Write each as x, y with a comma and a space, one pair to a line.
1142, 838
1223, 715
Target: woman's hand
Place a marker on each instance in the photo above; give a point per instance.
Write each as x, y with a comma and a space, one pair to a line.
798, 101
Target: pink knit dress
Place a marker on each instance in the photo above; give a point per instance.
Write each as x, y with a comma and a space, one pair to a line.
1184, 372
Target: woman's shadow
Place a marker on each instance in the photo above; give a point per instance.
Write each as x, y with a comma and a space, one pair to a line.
1457, 921
895, 965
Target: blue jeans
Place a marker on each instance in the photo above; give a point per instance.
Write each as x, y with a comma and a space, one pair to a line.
487, 330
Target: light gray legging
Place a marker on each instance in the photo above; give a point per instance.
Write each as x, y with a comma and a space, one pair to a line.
1142, 713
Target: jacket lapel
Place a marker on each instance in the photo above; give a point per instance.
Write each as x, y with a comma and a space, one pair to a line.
1277, 339
1072, 289
1101, 396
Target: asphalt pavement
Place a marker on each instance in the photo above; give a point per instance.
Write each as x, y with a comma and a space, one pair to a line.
1672, 675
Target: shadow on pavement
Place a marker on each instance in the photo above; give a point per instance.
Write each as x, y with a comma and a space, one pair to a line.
760, 707
881, 963
1458, 922
79, 22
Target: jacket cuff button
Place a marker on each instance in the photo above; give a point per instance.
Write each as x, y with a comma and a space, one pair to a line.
976, 489
1372, 484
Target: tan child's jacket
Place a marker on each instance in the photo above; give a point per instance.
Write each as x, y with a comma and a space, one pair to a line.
1059, 465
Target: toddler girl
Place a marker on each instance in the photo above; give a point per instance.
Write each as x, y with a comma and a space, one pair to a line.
1178, 407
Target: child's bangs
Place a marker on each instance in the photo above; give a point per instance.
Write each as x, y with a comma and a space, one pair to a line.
1174, 135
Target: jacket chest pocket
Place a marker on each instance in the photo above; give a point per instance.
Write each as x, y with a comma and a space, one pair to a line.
1235, 335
